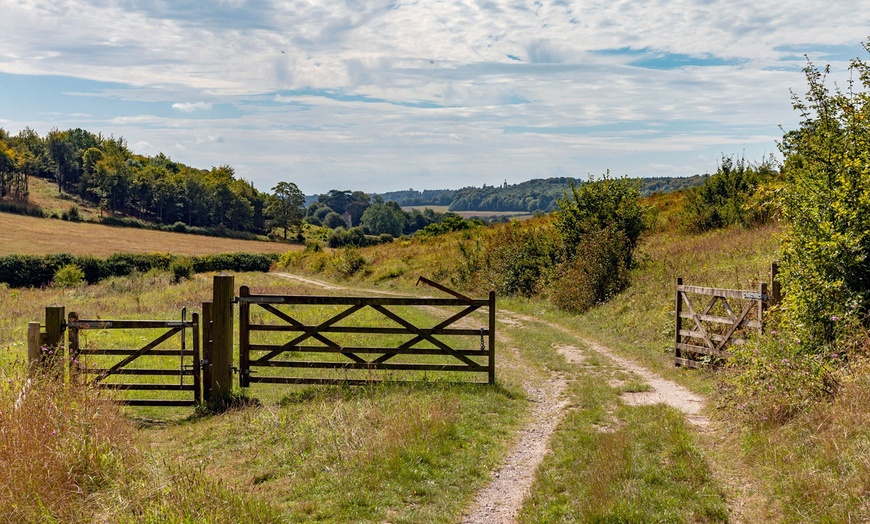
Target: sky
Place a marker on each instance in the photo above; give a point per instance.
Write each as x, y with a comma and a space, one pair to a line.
386, 95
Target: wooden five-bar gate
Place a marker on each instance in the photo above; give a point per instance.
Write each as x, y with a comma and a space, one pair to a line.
283, 339
361, 339
173, 370
705, 330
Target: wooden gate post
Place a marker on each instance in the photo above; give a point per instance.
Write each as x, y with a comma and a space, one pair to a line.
34, 343
54, 325
775, 287
492, 337
206, 351
678, 324
222, 337
244, 338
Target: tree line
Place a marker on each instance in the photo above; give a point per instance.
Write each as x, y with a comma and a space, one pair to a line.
104, 172
540, 195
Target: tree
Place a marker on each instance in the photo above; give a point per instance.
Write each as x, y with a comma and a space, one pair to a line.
599, 204
286, 206
384, 218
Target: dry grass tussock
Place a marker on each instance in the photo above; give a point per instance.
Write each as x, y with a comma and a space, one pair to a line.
60, 445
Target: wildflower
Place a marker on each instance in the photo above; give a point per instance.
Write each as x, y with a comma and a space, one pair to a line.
773, 332
835, 318
833, 355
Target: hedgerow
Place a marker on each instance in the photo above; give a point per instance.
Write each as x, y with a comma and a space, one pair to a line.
40, 270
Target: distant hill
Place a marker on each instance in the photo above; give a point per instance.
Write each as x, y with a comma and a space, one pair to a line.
534, 196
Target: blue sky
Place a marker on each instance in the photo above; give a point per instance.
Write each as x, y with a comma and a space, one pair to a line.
383, 95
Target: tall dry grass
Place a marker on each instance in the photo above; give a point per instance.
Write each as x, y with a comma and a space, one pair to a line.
60, 444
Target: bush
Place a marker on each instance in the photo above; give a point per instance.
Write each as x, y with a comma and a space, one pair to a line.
772, 379
518, 257
730, 197
69, 275
181, 269
825, 271
595, 274
348, 262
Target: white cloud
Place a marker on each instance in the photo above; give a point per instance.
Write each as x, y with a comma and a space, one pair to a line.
190, 107
340, 91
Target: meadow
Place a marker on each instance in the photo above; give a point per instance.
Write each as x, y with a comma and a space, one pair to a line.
418, 452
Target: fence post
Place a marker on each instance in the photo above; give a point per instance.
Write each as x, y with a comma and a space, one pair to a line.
34, 343
206, 351
762, 306
244, 338
72, 335
775, 288
222, 336
197, 383
678, 323
54, 326
492, 337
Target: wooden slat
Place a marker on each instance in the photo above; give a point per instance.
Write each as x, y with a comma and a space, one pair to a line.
704, 350
722, 320
716, 292
157, 402
372, 366
125, 352
342, 381
146, 387
713, 336
352, 301
369, 350
366, 330
689, 363
141, 372
128, 324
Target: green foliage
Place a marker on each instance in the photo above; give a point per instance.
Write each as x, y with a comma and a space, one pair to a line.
181, 269
596, 273
285, 206
825, 265
449, 223
728, 197
69, 275
384, 218
599, 204
600, 223
517, 258
348, 262
772, 379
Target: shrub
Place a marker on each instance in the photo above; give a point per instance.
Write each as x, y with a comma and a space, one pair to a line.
518, 257
825, 271
772, 379
181, 269
69, 275
595, 274
348, 262
728, 197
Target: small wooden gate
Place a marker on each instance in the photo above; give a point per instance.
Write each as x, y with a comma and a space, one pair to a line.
335, 346
174, 370
718, 325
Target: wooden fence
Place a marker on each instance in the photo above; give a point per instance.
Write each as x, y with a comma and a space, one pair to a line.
317, 351
705, 330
